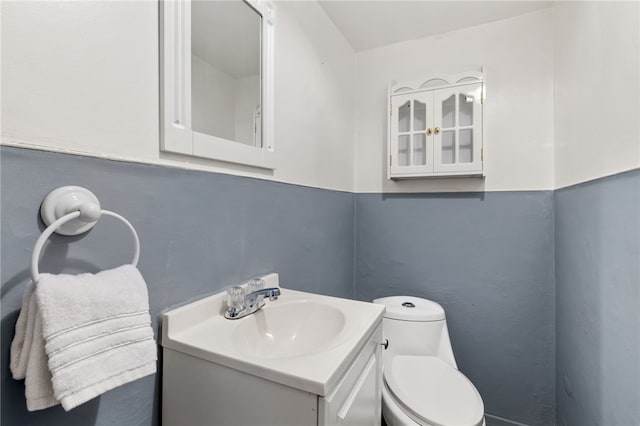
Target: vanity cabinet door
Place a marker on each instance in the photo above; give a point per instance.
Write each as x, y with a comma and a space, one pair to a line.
197, 392
360, 406
357, 398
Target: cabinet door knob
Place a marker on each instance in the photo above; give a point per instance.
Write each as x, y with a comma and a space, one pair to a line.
385, 343
437, 130
429, 131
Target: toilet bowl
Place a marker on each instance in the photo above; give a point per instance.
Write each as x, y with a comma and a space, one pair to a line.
421, 381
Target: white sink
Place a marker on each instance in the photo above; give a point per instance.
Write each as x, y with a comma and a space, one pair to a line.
303, 340
289, 329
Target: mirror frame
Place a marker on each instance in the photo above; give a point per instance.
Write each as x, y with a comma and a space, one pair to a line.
176, 133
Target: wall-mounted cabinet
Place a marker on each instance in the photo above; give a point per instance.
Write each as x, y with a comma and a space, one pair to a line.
435, 127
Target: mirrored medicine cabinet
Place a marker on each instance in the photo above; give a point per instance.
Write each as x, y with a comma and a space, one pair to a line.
217, 80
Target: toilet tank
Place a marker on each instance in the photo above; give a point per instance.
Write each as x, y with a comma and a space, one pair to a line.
415, 326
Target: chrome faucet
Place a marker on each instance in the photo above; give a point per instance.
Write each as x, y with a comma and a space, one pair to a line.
240, 303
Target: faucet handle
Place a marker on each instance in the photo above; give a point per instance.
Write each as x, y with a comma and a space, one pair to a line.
255, 285
274, 293
236, 298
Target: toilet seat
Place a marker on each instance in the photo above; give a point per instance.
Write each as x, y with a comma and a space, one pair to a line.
431, 391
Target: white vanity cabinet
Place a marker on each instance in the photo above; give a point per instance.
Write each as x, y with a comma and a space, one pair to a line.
197, 392
303, 360
435, 127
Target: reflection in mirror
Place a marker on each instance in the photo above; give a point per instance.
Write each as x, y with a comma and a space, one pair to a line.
225, 70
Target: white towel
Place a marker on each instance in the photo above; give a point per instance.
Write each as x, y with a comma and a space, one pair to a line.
28, 359
93, 331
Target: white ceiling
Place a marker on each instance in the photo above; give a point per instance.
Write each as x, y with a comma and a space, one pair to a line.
367, 24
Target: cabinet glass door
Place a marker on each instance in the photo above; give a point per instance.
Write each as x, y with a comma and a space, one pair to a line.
458, 128
411, 133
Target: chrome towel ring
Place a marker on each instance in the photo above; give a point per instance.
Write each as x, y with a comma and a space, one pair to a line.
73, 210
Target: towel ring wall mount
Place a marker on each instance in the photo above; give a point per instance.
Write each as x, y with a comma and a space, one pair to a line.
73, 210
68, 199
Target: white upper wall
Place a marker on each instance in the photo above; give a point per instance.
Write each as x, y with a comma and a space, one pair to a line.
72, 83
314, 94
83, 77
597, 89
518, 113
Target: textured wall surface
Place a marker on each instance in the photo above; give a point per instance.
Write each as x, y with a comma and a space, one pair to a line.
516, 132
596, 45
597, 227
199, 233
488, 259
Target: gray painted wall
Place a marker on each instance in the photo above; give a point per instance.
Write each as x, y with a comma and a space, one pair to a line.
597, 231
488, 259
199, 232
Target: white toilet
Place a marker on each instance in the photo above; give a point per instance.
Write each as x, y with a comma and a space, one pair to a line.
422, 384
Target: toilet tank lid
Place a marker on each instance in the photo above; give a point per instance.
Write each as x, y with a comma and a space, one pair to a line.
410, 308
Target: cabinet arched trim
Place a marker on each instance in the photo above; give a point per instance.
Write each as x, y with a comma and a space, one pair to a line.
436, 81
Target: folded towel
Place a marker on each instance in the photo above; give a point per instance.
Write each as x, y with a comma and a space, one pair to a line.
28, 358
93, 331
23, 337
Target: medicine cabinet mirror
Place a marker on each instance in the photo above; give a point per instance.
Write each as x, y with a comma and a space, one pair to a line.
217, 80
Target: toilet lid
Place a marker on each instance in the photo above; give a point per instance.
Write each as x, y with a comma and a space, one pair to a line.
407, 308
433, 391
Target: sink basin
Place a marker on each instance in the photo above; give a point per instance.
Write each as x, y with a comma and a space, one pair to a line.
282, 330
302, 340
